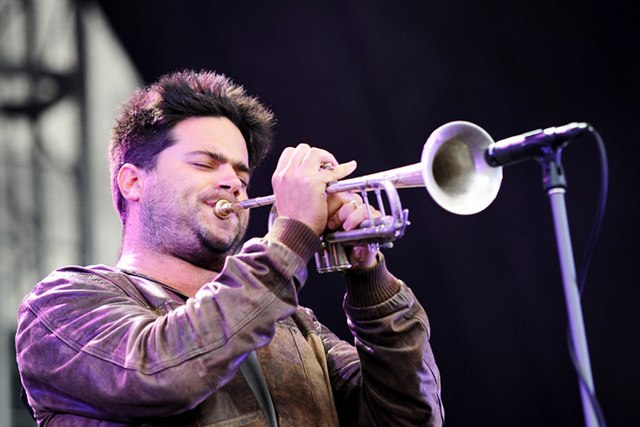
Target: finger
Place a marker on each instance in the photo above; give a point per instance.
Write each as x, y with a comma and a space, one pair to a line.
356, 212
316, 159
289, 162
313, 159
339, 206
359, 212
285, 157
341, 170
363, 256
297, 155
352, 213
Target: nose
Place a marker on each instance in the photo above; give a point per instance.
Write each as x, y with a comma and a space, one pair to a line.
228, 180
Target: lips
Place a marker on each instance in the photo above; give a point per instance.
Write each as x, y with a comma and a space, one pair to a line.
215, 205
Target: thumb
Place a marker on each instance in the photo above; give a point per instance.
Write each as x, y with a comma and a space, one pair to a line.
343, 169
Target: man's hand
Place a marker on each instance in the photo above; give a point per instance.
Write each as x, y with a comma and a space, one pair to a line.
347, 211
300, 182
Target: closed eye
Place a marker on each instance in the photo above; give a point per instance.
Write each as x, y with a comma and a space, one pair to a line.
208, 160
202, 165
209, 166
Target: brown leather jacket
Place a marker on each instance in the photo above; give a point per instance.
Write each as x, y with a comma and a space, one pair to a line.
98, 346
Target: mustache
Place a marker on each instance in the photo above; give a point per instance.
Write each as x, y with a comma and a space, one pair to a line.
213, 197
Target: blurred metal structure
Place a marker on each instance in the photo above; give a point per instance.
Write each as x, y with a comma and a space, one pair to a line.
44, 159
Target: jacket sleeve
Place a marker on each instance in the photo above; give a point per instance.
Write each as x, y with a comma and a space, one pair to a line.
391, 377
87, 347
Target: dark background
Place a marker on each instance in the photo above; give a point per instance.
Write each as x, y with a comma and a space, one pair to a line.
370, 81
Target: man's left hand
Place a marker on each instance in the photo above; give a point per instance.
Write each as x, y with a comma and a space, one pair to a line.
347, 211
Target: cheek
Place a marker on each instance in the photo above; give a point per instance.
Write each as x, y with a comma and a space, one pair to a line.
243, 194
178, 187
171, 198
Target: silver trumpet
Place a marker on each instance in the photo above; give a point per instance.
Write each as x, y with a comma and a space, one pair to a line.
453, 169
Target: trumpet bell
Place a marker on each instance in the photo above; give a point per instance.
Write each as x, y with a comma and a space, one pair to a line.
455, 171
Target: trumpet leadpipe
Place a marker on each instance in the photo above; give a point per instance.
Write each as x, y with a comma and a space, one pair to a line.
224, 208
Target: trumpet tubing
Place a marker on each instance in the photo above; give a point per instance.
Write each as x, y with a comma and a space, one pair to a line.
453, 170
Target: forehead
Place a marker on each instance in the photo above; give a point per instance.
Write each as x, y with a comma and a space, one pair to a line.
213, 134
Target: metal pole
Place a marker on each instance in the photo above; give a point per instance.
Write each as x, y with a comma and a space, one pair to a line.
83, 167
574, 309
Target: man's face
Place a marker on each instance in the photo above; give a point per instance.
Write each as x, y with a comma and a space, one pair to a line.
209, 161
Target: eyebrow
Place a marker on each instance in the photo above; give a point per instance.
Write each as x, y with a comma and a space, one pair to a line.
219, 157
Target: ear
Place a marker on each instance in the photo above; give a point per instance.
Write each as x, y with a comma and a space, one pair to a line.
131, 181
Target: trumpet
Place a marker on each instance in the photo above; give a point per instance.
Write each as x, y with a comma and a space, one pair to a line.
453, 169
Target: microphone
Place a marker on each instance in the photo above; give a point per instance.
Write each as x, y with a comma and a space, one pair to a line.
532, 144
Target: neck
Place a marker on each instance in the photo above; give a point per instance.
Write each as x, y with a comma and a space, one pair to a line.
181, 275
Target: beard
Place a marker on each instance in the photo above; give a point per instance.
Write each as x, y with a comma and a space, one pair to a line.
171, 227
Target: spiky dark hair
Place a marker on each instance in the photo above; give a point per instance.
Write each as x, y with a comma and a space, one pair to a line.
143, 129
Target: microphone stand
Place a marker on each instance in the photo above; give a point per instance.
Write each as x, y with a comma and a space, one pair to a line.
555, 185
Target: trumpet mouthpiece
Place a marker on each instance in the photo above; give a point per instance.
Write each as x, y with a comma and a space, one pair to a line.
223, 208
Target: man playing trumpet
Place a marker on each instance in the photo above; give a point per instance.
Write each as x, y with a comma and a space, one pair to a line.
192, 327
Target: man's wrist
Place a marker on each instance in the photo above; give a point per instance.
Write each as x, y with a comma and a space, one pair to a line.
295, 235
371, 286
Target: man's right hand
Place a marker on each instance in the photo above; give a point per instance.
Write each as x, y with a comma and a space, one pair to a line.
300, 182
